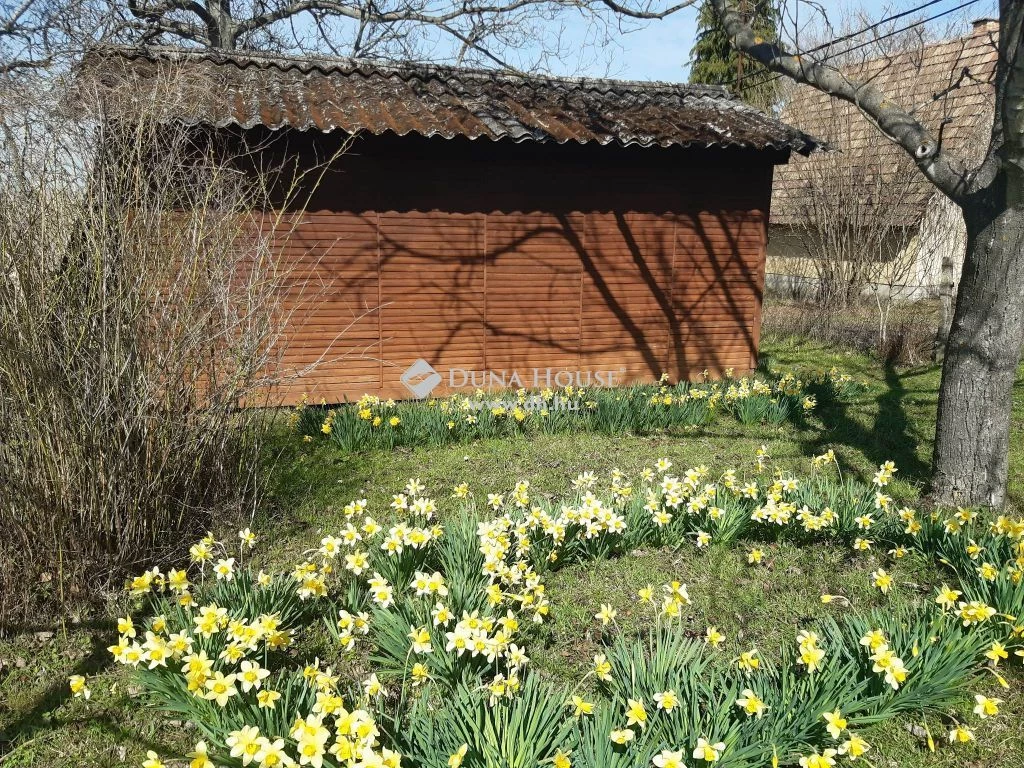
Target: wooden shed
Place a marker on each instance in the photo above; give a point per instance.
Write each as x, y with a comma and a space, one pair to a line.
488, 230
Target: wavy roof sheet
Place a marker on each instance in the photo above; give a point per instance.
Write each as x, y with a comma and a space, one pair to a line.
355, 96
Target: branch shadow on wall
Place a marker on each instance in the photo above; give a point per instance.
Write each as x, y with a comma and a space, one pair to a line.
637, 285
658, 248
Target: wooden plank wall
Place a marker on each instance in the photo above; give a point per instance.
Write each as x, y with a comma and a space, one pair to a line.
635, 288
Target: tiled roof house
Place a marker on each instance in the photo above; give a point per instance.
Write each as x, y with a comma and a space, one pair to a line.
949, 86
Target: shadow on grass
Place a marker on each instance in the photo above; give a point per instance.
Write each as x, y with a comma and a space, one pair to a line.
110, 723
881, 433
32, 725
35, 717
894, 431
304, 477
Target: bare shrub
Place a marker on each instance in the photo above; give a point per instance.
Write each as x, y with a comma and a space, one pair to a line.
909, 340
853, 221
140, 307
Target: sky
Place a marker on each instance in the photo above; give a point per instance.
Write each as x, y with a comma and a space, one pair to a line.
661, 49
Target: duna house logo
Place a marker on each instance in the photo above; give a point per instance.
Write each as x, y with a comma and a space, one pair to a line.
420, 378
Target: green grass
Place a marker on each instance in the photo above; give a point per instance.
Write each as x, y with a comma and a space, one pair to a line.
48, 728
894, 419
755, 606
309, 484
763, 607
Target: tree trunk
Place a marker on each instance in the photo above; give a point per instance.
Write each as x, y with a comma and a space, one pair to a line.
222, 28
946, 292
972, 438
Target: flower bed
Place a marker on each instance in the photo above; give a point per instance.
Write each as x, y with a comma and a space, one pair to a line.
643, 409
433, 623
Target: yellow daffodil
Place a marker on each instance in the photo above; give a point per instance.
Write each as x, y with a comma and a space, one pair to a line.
420, 674
267, 698
708, 752
456, 758
224, 569
748, 661
636, 714
606, 615
78, 687
811, 655
975, 612
251, 675
751, 703
220, 688
713, 637
874, 639
622, 736
244, 743
825, 759
271, 754
890, 665
853, 747
602, 668
372, 687
835, 723
201, 756
985, 706
960, 735
666, 700
668, 759
581, 707
947, 597
988, 572
420, 638
996, 652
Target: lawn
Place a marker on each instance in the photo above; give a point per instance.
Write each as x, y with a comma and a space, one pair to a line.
310, 482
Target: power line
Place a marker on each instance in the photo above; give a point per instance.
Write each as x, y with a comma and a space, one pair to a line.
876, 25
773, 76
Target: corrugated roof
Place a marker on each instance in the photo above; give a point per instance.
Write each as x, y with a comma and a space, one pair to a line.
917, 80
355, 96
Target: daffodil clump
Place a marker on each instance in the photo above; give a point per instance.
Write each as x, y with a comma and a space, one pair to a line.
372, 422
432, 626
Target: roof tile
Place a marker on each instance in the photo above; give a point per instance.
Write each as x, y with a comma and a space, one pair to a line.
916, 79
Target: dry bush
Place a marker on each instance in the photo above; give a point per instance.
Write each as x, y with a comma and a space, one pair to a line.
140, 308
909, 339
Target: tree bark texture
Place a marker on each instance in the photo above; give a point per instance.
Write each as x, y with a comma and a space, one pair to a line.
946, 294
971, 461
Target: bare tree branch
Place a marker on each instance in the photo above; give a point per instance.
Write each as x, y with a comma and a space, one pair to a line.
947, 174
644, 14
358, 13
1009, 126
10, 24
144, 11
